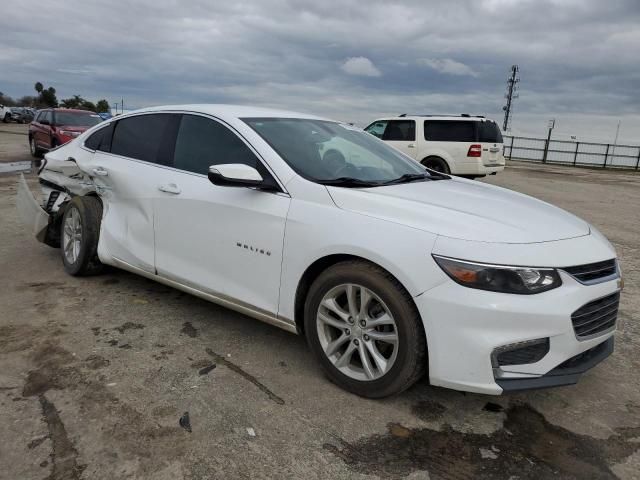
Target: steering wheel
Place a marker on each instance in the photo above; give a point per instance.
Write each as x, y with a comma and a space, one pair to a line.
336, 163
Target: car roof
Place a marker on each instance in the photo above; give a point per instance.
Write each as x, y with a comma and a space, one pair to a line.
470, 118
70, 110
228, 111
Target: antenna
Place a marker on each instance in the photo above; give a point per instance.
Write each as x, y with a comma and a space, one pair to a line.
511, 95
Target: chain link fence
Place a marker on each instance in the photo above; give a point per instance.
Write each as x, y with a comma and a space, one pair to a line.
569, 152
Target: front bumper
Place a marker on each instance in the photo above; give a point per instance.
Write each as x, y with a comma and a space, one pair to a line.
567, 373
464, 326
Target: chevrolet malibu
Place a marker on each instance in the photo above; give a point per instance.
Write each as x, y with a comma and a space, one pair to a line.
392, 272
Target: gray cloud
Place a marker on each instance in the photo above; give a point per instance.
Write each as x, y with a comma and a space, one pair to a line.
344, 59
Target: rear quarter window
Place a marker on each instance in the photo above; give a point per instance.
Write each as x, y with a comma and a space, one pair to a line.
101, 140
489, 132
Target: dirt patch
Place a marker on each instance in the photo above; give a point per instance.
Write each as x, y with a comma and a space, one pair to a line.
64, 456
526, 447
94, 362
129, 326
16, 338
189, 330
428, 410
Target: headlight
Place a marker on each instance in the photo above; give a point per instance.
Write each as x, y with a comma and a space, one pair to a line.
500, 278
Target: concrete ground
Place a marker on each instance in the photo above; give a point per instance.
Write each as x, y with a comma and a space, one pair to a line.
96, 373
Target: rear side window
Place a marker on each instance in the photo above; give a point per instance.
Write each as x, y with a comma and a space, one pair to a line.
489, 132
450, 131
203, 142
145, 137
101, 140
400, 130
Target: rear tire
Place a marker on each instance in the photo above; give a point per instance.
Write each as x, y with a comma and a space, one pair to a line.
79, 233
437, 164
398, 338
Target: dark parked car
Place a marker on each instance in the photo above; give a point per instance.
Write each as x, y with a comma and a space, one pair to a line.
53, 127
21, 115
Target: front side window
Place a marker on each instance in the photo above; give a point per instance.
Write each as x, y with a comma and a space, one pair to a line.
450, 130
202, 142
400, 130
325, 151
46, 116
145, 137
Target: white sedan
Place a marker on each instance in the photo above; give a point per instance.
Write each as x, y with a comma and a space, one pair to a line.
392, 271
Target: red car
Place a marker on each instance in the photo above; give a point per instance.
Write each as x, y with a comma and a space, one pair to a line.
53, 127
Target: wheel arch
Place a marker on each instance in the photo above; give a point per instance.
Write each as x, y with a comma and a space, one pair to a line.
320, 265
439, 157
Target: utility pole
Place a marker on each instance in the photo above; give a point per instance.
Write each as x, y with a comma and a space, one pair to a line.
511, 95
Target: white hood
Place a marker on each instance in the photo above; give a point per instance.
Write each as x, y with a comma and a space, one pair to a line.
465, 210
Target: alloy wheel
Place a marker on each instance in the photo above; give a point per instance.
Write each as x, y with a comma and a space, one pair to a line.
72, 236
357, 332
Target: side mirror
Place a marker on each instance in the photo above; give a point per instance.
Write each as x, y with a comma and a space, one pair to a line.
235, 175
44, 122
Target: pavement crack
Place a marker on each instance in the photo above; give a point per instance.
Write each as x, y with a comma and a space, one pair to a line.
64, 456
235, 368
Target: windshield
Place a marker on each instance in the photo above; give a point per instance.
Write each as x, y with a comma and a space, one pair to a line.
69, 119
325, 152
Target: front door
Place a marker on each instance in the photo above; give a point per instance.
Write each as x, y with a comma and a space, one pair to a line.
401, 134
221, 240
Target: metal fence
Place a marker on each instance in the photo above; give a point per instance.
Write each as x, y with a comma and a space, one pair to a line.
569, 152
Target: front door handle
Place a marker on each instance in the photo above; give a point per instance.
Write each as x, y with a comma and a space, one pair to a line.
100, 172
170, 188
411, 145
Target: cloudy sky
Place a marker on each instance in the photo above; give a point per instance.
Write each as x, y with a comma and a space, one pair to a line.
352, 60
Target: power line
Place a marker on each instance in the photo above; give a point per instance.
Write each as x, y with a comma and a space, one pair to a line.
511, 95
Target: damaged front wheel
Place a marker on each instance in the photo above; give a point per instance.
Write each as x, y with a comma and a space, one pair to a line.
80, 233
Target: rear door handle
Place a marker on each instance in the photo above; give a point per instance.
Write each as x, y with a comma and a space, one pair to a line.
411, 145
170, 188
100, 172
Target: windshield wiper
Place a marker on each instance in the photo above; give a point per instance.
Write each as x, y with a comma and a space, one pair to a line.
348, 182
409, 177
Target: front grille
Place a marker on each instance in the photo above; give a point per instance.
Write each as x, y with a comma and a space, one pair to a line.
522, 353
593, 271
597, 316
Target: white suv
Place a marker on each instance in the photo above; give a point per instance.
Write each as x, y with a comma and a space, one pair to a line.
462, 145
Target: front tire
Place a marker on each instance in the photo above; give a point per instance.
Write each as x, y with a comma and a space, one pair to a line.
365, 330
80, 230
33, 148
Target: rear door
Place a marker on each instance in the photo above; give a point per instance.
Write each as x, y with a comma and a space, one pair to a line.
226, 241
127, 167
453, 137
401, 134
